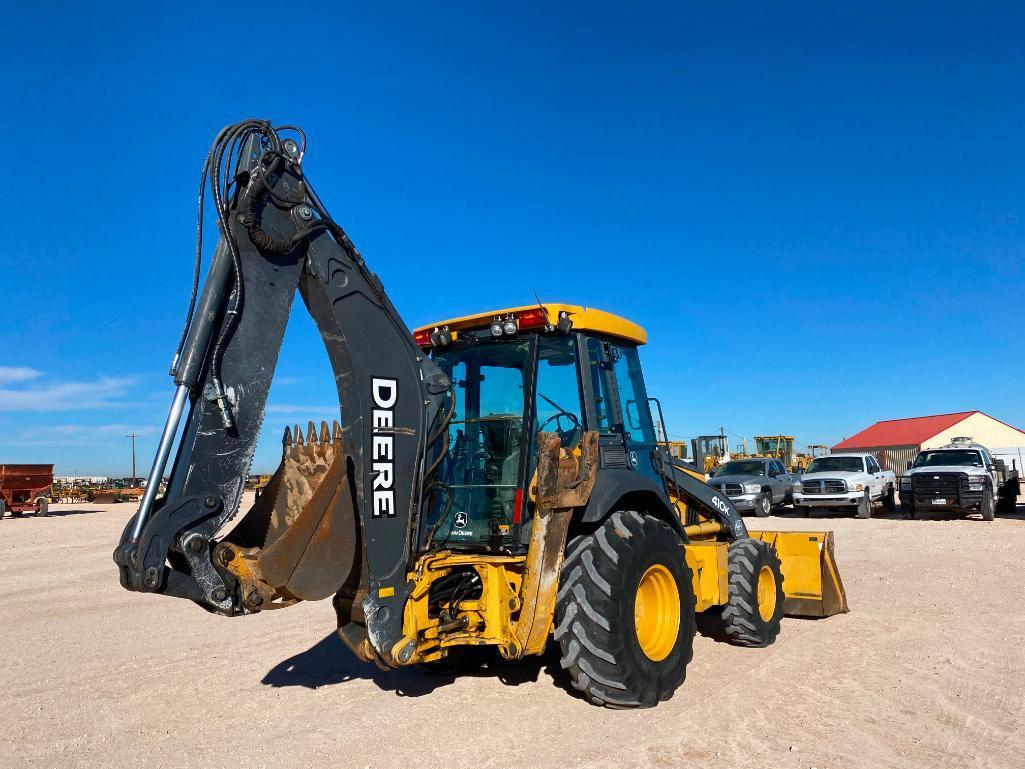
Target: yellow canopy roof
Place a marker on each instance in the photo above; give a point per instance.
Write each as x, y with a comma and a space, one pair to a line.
584, 319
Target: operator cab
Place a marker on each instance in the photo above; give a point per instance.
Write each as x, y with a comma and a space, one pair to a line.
515, 373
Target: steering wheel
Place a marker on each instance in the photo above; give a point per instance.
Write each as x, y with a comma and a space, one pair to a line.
566, 436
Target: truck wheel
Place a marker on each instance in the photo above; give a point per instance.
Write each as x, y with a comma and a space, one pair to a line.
755, 608
43, 508
625, 612
804, 510
764, 505
909, 510
889, 500
865, 506
987, 505
3, 508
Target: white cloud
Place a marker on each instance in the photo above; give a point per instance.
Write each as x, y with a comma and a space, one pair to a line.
17, 374
81, 435
103, 392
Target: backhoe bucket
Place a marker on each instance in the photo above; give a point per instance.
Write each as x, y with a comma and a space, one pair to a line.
298, 541
811, 581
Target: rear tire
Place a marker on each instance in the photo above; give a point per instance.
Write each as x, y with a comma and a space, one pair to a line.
625, 612
987, 505
764, 506
43, 509
889, 500
865, 506
755, 608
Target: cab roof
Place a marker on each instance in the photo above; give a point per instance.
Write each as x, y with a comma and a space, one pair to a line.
584, 319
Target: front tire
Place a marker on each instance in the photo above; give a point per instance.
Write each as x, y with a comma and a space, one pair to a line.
865, 506
804, 510
764, 506
43, 508
987, 505
752, 616
625, 612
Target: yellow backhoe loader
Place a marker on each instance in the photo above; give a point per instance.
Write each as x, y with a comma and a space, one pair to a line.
494, 483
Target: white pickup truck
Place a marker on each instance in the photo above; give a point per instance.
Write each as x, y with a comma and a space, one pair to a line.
845, 480
960, 477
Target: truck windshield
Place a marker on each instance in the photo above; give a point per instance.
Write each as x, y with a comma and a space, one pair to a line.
741, 467
939, 458
480, 472
836, 465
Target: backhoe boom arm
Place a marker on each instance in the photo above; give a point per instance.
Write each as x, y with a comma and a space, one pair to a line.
277, 238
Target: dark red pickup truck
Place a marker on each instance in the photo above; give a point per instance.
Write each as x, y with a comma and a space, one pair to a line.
24, 488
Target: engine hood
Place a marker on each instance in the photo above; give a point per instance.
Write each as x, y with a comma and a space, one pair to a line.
738, 479
843, 475
968, 469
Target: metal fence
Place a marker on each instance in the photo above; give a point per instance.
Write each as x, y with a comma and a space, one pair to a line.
1013, 456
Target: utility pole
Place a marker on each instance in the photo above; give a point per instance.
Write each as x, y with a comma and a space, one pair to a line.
133, 437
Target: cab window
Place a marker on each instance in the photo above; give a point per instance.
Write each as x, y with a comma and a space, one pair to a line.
633, 399
557, 407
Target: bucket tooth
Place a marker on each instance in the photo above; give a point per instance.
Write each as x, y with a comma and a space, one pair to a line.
286, 439
299, 436
336, 432
311, 433
325, 434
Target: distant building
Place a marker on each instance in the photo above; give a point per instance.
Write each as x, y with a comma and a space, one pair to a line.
895, 442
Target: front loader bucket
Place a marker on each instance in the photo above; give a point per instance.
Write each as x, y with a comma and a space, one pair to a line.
298, 542
811, 581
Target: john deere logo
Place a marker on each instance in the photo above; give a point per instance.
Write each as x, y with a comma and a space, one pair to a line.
460, 521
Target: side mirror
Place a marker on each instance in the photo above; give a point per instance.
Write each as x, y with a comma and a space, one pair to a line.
908, 466
991, 468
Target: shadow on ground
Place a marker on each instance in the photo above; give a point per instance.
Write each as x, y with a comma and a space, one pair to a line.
54, 513
329, 663
898, 514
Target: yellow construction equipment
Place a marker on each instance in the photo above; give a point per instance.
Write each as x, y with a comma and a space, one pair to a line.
710, 451
802, 460
495, 485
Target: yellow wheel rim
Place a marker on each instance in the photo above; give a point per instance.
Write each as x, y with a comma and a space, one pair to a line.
657, 612
766, 593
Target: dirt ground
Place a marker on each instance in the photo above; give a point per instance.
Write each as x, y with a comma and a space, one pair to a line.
927, 670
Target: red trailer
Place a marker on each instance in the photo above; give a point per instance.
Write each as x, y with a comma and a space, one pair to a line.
25, 487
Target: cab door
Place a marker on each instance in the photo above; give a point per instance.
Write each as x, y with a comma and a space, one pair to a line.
625, 413
876, 479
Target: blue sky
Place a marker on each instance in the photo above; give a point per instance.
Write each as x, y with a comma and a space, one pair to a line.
815, 212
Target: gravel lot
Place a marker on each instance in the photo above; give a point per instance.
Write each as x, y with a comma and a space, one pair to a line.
927, 670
